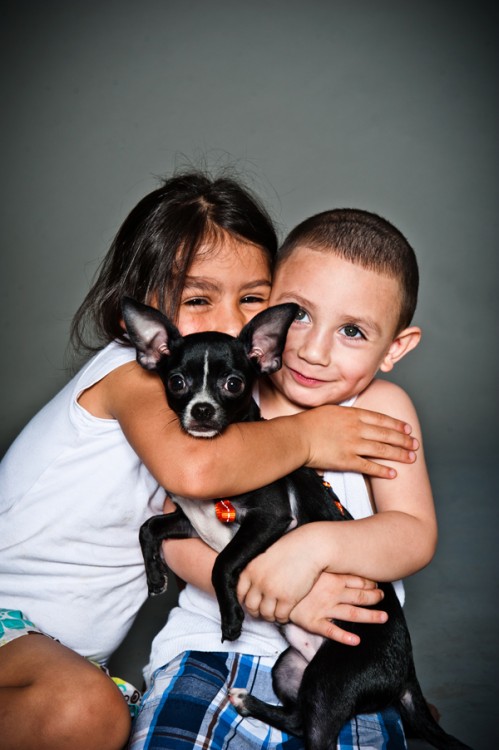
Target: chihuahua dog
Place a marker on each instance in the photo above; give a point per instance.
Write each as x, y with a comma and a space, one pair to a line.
209, 379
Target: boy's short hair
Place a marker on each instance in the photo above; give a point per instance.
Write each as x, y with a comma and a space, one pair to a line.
366, 239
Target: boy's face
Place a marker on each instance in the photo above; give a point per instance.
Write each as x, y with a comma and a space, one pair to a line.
344, 332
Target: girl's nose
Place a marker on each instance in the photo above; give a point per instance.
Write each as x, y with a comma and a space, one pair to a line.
230, 319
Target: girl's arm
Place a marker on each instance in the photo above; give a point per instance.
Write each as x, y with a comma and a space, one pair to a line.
248, 455
397, 541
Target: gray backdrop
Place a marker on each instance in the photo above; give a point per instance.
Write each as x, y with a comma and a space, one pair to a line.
386, 106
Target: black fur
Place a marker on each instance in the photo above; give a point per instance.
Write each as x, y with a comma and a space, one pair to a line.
320, 692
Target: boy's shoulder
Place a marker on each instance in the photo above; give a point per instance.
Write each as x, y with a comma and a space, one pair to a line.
385, 396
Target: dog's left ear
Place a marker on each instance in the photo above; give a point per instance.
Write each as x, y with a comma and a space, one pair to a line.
151, 332
264, 337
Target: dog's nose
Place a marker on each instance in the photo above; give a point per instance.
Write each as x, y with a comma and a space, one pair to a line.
203, 411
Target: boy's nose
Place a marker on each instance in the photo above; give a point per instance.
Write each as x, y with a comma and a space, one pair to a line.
316, 349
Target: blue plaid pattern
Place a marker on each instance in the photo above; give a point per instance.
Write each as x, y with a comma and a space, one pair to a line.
187, 708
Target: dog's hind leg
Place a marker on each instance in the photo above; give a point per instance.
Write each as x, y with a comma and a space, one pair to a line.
328, 696
287, 674
323, 719
286, 718
419, 722
174, 525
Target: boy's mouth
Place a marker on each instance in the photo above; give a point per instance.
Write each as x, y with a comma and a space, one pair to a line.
302, 379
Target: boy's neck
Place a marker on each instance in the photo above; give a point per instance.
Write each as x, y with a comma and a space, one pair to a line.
273, 403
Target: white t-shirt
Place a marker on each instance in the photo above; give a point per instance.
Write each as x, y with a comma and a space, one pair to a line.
73, 495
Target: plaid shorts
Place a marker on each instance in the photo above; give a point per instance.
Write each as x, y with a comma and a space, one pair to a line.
187, 707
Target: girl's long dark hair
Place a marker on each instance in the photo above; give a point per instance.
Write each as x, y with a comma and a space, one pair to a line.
156, 244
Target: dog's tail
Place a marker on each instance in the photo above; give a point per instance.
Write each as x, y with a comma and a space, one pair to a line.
419, 722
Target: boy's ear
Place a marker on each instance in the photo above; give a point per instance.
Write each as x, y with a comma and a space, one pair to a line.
402, 344
151, 332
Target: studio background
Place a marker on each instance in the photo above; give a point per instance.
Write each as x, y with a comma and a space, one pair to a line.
386, 106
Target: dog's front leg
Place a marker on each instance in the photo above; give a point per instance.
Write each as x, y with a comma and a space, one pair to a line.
259, 529
174, 525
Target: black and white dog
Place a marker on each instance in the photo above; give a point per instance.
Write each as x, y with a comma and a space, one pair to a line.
209, 379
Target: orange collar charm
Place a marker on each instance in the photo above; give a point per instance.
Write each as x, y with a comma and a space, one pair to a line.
225, 511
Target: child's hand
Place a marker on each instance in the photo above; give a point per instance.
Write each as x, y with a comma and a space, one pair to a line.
273, 583
354, 438
282, 585
343, 597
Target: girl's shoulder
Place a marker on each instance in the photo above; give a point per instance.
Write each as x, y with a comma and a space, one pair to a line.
90, 384
105, 361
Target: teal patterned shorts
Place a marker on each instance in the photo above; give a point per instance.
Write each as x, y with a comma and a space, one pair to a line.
13, 624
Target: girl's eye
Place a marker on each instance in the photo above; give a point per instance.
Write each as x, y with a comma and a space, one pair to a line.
234, 385
352, 332
252, 299
302, 316
176, 383
195, 301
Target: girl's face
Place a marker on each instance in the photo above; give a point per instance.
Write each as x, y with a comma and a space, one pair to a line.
344, 332
227, 284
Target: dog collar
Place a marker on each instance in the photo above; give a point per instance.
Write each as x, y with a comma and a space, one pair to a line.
333, 497
225, 511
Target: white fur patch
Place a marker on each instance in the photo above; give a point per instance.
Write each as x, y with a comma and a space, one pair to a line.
201, 514
203, 397
306, 643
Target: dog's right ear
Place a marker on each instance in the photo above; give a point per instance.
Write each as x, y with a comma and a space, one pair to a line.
264, 337
150, 332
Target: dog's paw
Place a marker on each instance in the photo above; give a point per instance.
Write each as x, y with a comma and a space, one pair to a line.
237, 696
156, 590
231, 632
232, 623
157, 584
157, 576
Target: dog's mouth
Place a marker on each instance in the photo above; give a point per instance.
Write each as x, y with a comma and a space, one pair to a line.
200, 429
203, 419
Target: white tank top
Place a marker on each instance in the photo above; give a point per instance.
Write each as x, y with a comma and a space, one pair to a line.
73, 495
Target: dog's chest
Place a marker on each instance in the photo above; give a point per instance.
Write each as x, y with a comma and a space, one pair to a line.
201, 514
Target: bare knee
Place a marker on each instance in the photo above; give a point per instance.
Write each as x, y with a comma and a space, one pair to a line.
91, 715
50, 693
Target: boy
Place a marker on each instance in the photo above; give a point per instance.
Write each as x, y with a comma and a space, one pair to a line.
355, 278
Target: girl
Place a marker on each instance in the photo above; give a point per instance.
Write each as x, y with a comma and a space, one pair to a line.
89, 468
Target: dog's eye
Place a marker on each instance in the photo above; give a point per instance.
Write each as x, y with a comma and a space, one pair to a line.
176, 383
234, 385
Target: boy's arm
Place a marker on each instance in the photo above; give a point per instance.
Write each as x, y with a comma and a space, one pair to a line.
333, 596
397, 541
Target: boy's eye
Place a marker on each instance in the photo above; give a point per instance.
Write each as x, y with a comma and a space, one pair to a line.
302, 316
352, 332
